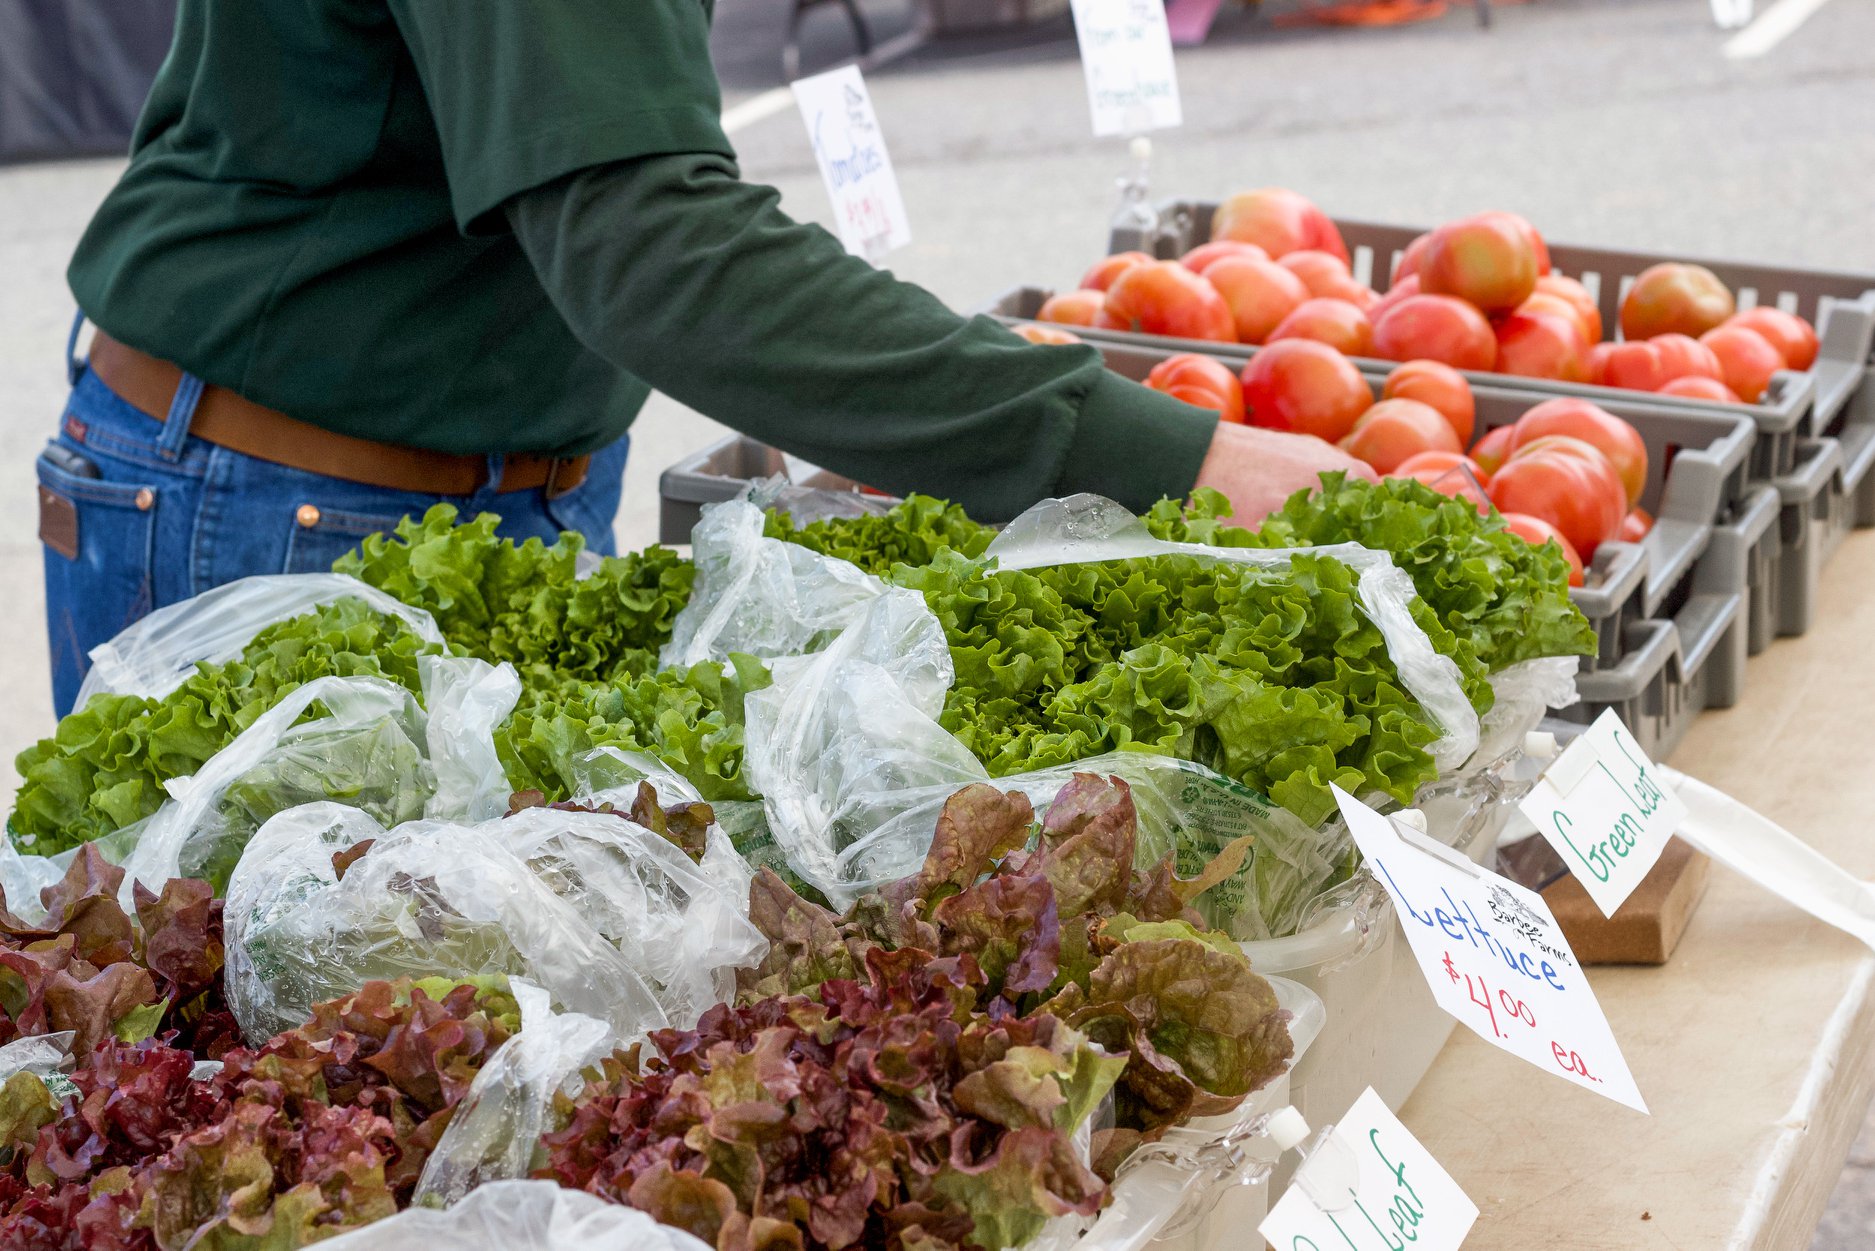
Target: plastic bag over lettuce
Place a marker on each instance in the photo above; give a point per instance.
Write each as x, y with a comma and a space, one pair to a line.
520, 1216
375, 748
496, 1129
154, 655
614, 920
848, 748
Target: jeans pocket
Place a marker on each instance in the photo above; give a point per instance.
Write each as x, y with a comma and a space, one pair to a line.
592, 507
320, 536
100, 541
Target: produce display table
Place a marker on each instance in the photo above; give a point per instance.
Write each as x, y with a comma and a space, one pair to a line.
1754, 1047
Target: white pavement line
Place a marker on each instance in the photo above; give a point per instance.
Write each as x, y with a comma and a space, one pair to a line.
1771, 28
756, 108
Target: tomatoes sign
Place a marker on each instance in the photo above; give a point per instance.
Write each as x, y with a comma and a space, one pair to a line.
1494, 957
867, 207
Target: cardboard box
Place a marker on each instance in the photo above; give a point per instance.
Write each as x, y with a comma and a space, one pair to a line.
1648, 926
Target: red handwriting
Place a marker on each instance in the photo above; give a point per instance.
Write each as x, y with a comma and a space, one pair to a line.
1514, 1009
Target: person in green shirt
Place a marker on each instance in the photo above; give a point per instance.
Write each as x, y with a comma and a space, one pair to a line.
371, 254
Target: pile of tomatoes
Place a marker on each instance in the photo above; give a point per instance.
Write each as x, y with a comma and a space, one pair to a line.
1566, 470
1478, 294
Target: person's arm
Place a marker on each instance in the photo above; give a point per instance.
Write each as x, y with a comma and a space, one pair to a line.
590, 130
674, 269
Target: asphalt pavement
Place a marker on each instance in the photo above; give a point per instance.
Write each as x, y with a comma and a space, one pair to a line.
1612, 122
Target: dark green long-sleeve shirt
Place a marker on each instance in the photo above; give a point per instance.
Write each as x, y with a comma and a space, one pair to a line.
491, 225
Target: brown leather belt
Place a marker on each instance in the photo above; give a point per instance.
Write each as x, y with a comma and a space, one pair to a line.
226, 420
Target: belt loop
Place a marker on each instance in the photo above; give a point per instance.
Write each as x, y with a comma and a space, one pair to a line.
181, 414
74, 368
497, 467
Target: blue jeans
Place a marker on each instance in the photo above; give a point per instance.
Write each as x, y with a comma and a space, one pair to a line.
168, 516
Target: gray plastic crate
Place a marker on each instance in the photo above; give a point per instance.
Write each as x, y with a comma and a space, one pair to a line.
724, 469
1673, 669
1840, 304
1778, 420
1697, 470
1763, 584
1829, 493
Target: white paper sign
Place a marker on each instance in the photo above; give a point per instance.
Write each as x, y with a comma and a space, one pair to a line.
1126, 54
1394, 1195
1606, 810
853, 162
1494, 956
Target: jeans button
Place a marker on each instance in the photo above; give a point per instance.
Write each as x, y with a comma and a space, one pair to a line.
308, 516
146, 500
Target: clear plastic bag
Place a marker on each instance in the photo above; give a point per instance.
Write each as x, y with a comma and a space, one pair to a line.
1469, 808
494, 1131
845, 746
23, 877
154, 655
611, 919
467, 701
761, 596
520, 1216
1168, 1189
1082, 529
376, 748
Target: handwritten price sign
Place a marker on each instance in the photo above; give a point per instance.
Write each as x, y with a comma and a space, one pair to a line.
1604, 808
1126, 55
850, 150
1388, 1193
1494, 957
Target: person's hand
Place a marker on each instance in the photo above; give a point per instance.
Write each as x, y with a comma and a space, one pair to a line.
1258, 469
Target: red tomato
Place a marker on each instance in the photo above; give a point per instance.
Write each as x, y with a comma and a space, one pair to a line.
1392, 432
1411, 259
1542, 345
1578, 298
1306, 387
1103, 272
1685, 357
1439, 385
1542, 301
1493, 449
1337, 323
1047, 335
1567, 483
1450, 473
1620, 442
1635, 525
1279, 221
1445, 461
1453, 482
1537, 243
1489, 261
1438, 328
1674, 298
1165, 298
1073, 308
1536, 531
1325, 275
1635, 366
1746, 360
1400, 290
1259, 294
1694, 387
1199, 258
1202, 381
1792, 336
